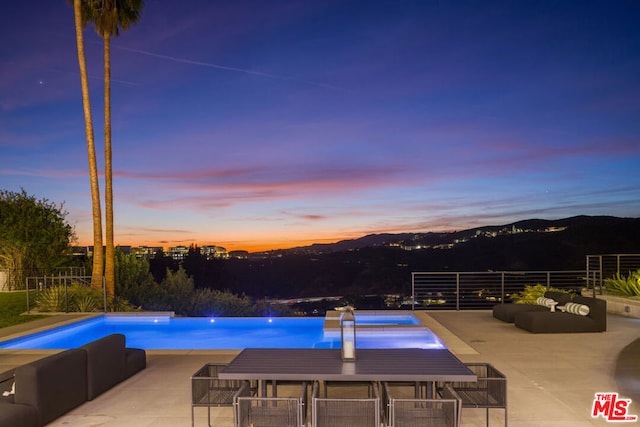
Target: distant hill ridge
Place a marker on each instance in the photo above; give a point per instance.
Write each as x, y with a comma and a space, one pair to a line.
379, 264
572, 225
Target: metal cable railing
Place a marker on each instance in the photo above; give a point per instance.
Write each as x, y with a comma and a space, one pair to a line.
601, 267
482, 290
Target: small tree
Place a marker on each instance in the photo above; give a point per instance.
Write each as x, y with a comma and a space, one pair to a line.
34, 235
133, 280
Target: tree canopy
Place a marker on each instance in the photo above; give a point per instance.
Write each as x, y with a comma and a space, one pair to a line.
34, 234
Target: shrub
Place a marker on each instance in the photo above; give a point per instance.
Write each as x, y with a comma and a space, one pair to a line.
207, 302
75, 298
134, 282
53, 299
85, 299
628, 286
530, 294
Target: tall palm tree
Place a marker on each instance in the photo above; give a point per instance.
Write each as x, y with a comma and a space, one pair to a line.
108, 17
98, 258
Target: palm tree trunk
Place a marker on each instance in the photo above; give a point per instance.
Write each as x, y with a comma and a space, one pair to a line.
108, 172
98, 261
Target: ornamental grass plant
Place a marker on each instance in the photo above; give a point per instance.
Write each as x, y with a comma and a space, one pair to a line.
624, 286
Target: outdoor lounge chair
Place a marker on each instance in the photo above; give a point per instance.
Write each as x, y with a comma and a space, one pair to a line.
351, 411
255, 411
412, 412
595, 319
490, 391
507, 312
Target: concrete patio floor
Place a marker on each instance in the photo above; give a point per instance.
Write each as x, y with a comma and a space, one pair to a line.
552, 378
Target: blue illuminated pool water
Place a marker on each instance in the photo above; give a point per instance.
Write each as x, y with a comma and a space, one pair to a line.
168, 333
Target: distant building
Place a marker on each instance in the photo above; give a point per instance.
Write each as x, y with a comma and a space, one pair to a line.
239, 254
148, 252
212, 251
178, 253
80, 251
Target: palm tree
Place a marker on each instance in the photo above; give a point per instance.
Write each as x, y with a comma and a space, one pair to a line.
108, 17
98, 259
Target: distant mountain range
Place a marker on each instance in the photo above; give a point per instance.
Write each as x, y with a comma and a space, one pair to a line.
382, 263
602, 233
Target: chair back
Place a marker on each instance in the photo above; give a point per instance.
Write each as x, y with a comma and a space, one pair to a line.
443, 412
269, 411
352, 411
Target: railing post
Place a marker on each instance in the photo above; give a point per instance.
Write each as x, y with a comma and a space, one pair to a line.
66, 296
27, 285
104, 293
548, 280
457, 291
600, 278
413, 291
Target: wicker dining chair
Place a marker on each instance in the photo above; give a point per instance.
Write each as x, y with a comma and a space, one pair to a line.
349, 411
207, 390
250, 410
489, 392
422, 412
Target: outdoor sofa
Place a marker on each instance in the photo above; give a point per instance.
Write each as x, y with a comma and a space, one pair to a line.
507, 312
50, 387
587, 315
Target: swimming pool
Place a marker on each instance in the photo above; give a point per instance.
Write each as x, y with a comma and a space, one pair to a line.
164, 332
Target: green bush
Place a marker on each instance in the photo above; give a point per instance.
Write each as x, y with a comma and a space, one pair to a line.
628, 286
207, 302
85, 299
530, 294
134, 282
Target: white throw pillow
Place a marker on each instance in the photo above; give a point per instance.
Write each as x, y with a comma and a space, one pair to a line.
547, 302
13, 390
575, 308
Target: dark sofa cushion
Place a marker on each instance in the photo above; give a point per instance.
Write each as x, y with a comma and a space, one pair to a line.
559, 322
16, 415
597, 310
507, 312
561, 297
54, 384
106, 364
136, 361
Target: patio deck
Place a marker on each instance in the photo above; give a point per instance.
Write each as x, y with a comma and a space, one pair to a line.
552, 378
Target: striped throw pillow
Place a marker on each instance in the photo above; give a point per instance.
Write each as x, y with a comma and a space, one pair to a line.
574, 308
547, 302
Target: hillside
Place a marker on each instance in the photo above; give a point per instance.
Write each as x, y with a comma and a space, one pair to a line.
596, 234
383, 263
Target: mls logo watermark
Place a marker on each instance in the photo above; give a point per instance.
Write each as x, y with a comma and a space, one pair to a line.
612, 408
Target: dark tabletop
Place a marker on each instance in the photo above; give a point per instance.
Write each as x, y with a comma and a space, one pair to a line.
389, 364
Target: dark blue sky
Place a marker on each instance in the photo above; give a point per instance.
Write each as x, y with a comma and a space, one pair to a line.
255, 125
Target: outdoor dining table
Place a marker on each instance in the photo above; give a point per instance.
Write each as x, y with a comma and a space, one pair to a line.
384, 364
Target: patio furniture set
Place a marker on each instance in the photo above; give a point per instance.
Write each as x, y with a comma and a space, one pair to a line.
315, 387
556, 312
43, 390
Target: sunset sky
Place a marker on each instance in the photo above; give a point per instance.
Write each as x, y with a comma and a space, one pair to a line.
271, 124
